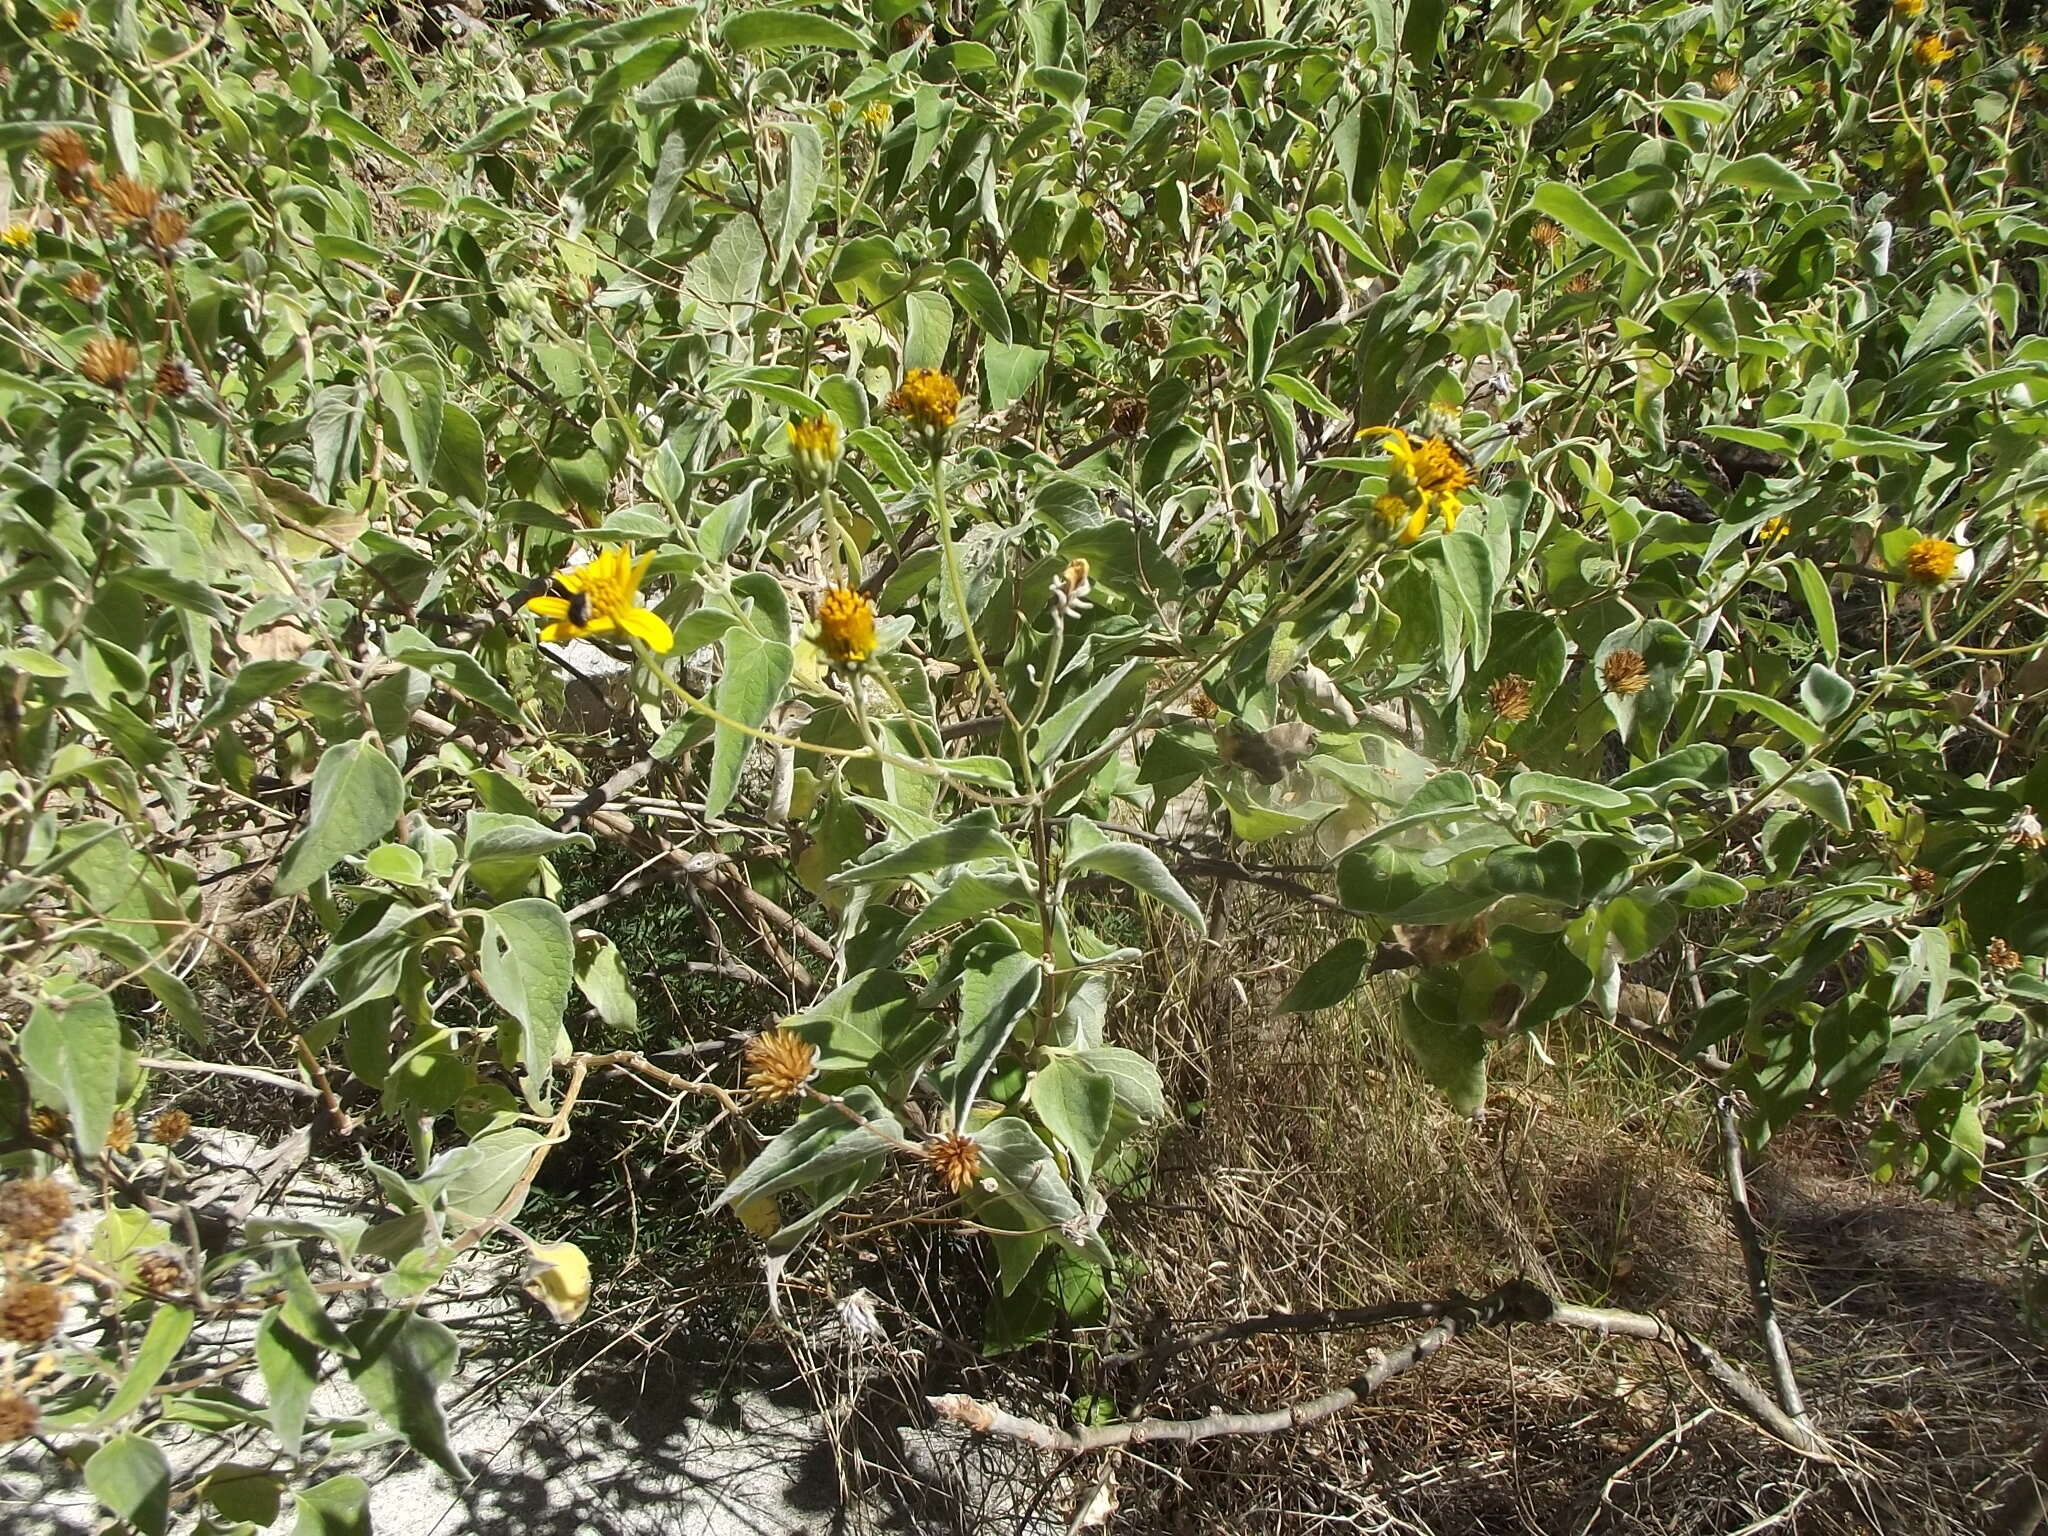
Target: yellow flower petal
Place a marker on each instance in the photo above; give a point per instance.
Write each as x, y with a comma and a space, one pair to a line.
558, 1277
646, 626
548, 606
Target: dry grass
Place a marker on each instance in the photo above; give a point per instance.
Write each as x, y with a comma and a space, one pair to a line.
1321, 1172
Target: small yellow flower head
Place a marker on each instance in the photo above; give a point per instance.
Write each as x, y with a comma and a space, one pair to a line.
2037, 522
1937, 87
1907, 10
814, 449
1725, 80
1426, 475
109, 362
931, 399
1930, 562
1510, 698
1774, 530
1397, 519
1070, 590
1624, 673
956, 1159
160, 1272
779, 1063
64, 152
601, 597
846, 626
18, 236
18, 1417
876, 116
1932, 51
836, 107
66, 20
131, 202
167, 231
33, 1210
30, 1311
176, 378
2032, 56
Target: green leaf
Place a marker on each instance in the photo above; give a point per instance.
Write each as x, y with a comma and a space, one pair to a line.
465, 674
756, 673
1142, 870
1571, 208
291, 1370
1077, 1104
823, 1142
1706, 314
71, 1046
1010, 370
1531, 786
357, 798
1764, 173
1813, 587
1783, 716
495, 843
1452, 1056
1825, 693
402, 1362
130, 1476
476, 1180
1333, 977
243, 1493
168, 1330
601, 977
528, 963
976, 292
340, 1506
998, 986
973, 836
257, 680
770, 28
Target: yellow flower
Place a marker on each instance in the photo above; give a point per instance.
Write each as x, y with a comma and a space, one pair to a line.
846, 626
602, 597
1930, 562
1907, 10
1398, 520
19, 236
781, 1063
1427, 475
66, 20
1774, 529
558, 1277
876, 116
814, 448
1931, 52
931, 400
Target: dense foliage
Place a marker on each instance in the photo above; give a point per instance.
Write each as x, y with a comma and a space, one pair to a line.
1562, 484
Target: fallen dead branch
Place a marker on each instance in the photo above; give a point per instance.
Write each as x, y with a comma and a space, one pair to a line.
1518, 1301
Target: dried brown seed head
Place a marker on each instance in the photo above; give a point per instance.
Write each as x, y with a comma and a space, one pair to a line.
1624, 673
33, 1210
30, 1311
